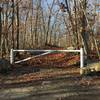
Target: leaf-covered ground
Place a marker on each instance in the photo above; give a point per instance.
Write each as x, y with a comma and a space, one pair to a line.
51, 77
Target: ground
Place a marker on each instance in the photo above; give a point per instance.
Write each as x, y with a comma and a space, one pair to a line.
49, 83
66, 85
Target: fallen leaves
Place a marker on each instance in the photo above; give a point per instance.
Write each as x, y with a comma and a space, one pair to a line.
55, 60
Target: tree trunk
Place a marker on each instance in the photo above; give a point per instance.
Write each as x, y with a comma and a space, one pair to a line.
71, 21
0, 30
17, 26
84, 33
13, 24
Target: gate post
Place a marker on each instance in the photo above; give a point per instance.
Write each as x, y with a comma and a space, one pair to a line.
11, 56
81, 58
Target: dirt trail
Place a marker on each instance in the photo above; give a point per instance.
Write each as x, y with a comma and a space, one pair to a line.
68, 86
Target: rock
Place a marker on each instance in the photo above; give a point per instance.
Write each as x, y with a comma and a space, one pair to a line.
46, 82
93, 67
36, 70
4, 66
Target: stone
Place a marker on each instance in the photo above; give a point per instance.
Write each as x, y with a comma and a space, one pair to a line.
4, 66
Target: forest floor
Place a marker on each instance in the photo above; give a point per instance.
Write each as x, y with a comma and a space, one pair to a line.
46, 78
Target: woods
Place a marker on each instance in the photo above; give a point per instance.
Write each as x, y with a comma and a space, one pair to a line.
49, 49
34, 24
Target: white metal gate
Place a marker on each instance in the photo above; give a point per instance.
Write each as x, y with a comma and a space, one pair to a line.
45, 53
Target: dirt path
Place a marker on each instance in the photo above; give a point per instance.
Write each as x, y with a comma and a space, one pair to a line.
67, 87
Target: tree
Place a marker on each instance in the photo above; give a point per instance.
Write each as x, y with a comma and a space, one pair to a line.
17, 25
0, 25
